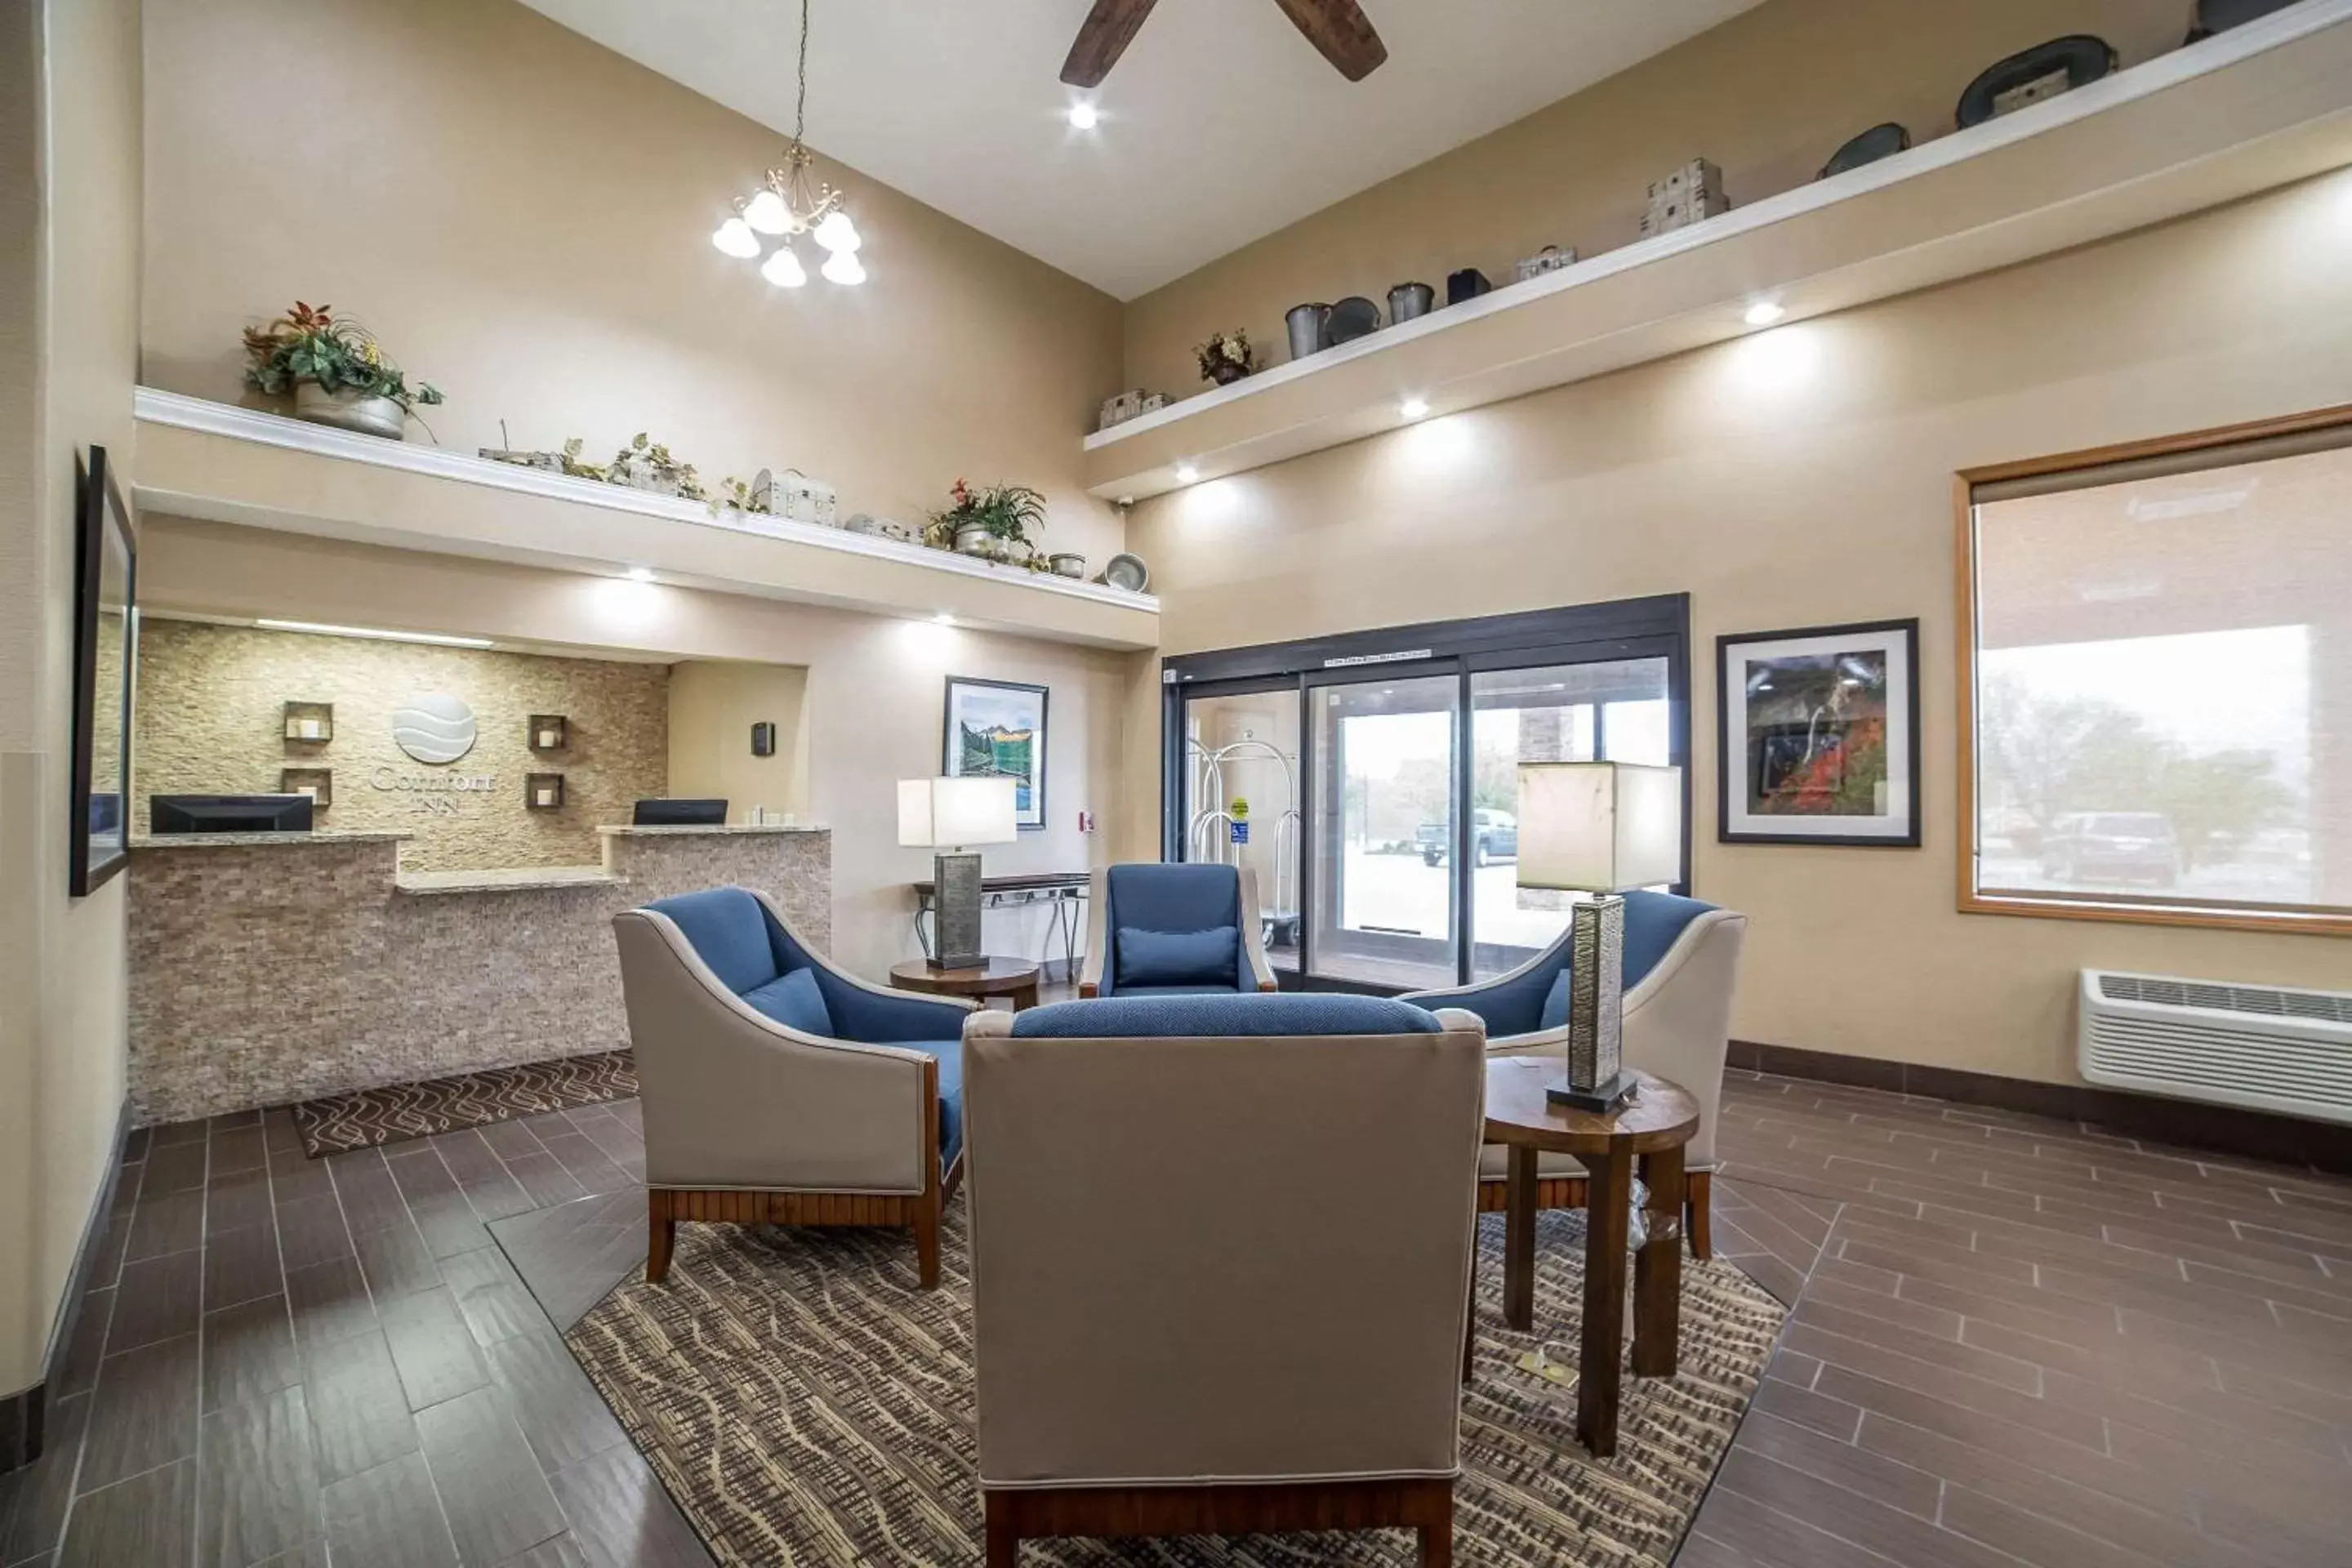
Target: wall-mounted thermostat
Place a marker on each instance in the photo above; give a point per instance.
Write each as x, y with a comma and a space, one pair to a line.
763, 740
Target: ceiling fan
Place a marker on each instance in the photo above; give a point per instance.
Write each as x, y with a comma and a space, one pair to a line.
1337, 28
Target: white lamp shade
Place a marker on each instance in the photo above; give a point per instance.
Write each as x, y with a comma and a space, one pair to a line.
950, 814
1599, 827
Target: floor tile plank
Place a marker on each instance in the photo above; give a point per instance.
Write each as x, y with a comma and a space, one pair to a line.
258, 1489
498, 1502
389, 1517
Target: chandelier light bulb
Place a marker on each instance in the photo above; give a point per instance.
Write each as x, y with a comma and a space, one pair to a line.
735, 238
785, 269
767, 213
836, 232
843, 267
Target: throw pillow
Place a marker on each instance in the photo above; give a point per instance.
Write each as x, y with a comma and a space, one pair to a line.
794, 1001
1211, 957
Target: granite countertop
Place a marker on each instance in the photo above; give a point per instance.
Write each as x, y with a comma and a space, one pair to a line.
260, 840
628, 831
520, 878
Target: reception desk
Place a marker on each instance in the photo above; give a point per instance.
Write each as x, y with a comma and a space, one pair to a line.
273, 967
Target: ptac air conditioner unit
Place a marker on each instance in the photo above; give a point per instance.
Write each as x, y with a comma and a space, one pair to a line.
2260, 1047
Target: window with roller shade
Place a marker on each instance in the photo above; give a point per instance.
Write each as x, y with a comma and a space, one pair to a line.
2159, 685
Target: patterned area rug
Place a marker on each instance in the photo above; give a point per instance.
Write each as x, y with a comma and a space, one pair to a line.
368, 1117
806, 1404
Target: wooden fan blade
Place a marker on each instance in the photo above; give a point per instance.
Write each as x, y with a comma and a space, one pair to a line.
1103, 36
1341, 31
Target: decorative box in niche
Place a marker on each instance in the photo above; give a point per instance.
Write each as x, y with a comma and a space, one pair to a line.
550, 733
312, 723
543, 791
319, 783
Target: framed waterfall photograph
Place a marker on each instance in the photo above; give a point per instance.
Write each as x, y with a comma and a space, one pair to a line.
997, 727
1818, 735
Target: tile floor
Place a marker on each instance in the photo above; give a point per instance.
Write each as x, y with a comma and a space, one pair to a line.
2015, 1343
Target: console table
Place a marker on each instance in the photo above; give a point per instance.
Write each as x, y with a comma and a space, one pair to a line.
1066, 890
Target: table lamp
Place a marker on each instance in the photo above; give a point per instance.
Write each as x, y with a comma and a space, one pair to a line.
1602, 828
950, 816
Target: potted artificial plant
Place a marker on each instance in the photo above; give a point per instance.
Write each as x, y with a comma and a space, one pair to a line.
337, 372
992, 522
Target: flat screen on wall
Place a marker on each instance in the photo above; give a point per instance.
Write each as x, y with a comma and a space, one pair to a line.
105, 641
229, 814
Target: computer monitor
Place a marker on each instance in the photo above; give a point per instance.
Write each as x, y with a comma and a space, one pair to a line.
680, 814
229, 814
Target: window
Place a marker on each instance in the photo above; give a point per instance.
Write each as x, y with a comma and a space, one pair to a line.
2159, 682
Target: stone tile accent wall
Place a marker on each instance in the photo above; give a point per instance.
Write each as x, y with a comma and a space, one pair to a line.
211, 720
263, 974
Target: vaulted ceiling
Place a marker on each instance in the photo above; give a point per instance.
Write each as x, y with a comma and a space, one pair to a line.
1219, 125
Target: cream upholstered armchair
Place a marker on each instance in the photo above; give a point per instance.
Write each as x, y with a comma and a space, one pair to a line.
1681, 962
1155, 929
777, 1089
1221, 1257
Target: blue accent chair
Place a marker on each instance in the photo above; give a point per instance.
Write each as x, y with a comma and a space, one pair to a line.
1681, 963
1157, 930
779, 1089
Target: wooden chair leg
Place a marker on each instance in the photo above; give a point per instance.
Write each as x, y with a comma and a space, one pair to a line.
662, 1234
1437, 1538
1697, 1191
1004, 1543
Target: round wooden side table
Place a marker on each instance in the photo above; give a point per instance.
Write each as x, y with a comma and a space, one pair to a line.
1650, 1127
1012, 977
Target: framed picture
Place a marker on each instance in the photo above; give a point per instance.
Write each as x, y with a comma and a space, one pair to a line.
998, 728
106, 638
1818, 735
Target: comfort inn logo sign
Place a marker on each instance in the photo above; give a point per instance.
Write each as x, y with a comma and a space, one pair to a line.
437, 729
434, 727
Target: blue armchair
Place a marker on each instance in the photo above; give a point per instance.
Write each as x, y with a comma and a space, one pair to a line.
1174, 930
1681, 962
779, 1089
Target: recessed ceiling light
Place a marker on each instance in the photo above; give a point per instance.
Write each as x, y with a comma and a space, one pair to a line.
1126, 500
641, 573
1083, 116
374, 634
1414, 408
1186, 473
943, 618
1764, 312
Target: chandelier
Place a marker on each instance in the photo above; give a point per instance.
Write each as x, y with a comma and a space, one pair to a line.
790, 203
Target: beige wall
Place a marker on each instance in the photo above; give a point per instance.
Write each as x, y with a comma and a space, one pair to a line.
69, 189
211, 720
873, 691
1803, 477
1766, 95
712, 706
532, 237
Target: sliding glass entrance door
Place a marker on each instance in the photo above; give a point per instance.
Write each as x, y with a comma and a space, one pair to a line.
1380, 823
1372, 780
1613, 710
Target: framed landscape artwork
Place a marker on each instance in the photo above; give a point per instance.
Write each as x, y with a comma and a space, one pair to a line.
1819, 735
998, 728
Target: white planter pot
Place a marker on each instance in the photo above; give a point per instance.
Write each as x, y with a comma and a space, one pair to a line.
975, 541
348, 408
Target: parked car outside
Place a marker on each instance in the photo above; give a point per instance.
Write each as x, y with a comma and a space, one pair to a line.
1495, 837
2112, 846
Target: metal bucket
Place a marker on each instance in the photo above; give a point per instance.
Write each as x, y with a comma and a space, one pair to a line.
1407, 300
1310, 328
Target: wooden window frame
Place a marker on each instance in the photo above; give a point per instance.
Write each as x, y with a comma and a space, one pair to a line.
1964, 487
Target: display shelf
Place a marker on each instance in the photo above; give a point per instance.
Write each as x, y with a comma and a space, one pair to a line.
2247, 110
222, 463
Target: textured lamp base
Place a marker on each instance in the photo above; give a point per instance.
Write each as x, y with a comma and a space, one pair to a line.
956, 912
1602, 1097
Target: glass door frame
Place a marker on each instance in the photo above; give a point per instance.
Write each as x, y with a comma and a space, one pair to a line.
1654, 628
